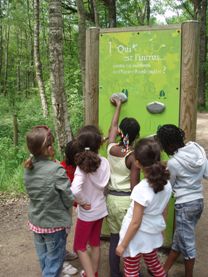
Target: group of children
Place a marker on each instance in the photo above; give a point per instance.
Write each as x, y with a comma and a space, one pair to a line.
135, 209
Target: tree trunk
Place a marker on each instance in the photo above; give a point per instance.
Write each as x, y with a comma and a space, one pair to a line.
63, 130
7, 35
31, 55
1, 47
82, 39
38, 64
111, 6
196, 4
148, 11
96, 17
18, 75
202, 55
112, 13
15, 129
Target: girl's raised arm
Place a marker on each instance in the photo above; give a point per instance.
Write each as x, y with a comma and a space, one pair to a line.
113, 131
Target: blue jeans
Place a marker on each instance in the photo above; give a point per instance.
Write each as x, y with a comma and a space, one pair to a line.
50, 249
187, 216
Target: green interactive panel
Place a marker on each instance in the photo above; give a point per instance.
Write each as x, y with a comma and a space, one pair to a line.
145, 65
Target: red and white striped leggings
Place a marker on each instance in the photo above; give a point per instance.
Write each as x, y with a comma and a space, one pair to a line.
132, 265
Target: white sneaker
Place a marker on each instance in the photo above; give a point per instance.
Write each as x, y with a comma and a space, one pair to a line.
69, 269
65, 264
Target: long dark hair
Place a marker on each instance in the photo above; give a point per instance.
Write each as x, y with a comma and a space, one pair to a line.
88, 142
171, 138
147, 153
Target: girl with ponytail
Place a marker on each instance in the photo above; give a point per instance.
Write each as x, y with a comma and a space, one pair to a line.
141, 230
51, 199
90, 179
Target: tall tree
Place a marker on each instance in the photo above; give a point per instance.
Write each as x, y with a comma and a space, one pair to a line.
199, 13
202, 54
95, 11
6, 58
111, 7
31, 35
1, 45
81, 37
63, 130
38, 64
148, 10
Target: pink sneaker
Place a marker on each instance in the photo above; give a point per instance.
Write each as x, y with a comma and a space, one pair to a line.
82, 273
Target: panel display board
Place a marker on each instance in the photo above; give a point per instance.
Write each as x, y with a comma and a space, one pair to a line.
145, 65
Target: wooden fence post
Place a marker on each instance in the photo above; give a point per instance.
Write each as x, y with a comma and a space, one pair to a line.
189, 78
92, 76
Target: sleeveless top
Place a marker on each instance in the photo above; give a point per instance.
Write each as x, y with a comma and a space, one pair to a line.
120, 174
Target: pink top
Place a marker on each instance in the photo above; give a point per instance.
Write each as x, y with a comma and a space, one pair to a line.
89, 188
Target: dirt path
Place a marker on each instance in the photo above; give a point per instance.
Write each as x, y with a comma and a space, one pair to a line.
17, 254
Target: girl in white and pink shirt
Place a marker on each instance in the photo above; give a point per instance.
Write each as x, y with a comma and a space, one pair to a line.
90, 179
144, 222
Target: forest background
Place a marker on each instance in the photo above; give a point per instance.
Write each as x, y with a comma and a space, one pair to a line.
42, 65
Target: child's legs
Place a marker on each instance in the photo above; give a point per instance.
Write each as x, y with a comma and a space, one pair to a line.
86, 263
187, 216
189, 267
94, 242
83, 233
41, 249
132, 266
172, 257
178, 241
153, 264
95, 257
117, 207
51, 251
114, 260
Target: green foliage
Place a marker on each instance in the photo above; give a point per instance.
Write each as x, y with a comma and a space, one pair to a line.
29, 114
21, 97
10, 161
132, 13
74, 98
11, 158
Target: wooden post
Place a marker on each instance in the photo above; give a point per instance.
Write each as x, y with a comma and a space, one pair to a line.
92, 76
189, 78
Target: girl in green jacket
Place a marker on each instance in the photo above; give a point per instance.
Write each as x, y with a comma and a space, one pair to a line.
48, 188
